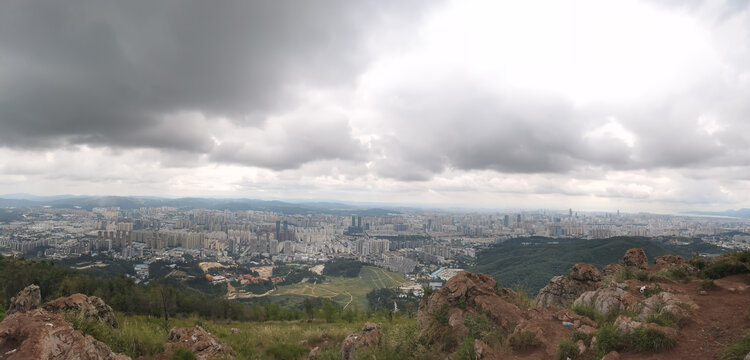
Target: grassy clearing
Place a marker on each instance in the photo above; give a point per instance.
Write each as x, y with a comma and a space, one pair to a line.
144, 336
738, 350
343, 290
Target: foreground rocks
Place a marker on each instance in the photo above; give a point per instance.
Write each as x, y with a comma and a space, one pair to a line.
370, 336
39, 334
28, 299
563, 290
608, 299
635, 257
204, 345
89, 307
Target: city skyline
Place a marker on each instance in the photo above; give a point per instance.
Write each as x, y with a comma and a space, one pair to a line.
637, 106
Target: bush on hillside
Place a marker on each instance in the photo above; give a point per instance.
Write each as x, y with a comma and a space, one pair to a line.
566, 349
343, 268
725, 267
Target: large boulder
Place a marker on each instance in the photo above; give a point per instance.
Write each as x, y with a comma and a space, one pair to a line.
27, 299
666, 302
203, 345
635, 257
563, 290
669, 260
39, 334
468, 291
585, 272
625, 325
89, 307
370, 336
608, 299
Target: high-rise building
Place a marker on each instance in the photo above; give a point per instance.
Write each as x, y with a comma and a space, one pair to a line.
506, 221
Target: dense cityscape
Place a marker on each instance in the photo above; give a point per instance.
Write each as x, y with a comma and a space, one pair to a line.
400, 240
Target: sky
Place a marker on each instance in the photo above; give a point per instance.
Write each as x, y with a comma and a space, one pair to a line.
583, 104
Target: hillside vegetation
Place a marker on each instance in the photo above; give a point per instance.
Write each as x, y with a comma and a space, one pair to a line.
531, 263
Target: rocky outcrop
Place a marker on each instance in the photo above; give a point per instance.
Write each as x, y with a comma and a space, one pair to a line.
482, 351
39, 334
665, 302
89, 307
203, 345
563, 290
370, 336
28, 299
467, 291
625, 325
635, 257
669, 260
608, 299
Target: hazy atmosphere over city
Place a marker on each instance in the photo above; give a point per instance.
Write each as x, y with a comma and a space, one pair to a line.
632, 105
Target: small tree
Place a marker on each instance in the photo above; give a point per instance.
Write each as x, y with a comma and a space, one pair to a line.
309, 309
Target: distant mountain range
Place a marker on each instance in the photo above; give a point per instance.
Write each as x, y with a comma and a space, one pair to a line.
741, 213
135, 202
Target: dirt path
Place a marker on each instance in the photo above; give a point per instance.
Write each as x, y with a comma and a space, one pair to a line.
351, 298
719, 321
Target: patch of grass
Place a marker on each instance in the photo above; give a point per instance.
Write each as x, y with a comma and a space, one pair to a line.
134, 338
588, 311
523, 298
708, 284
725, 267
481, 327
466, 350
607, 339
647, 340
523, 340
282, 351
566, 349
667, 318
641, 275
738, 350
678, 274
652, 290
580, 335
183, 354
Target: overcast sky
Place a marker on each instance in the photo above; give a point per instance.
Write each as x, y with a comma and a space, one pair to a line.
594, 105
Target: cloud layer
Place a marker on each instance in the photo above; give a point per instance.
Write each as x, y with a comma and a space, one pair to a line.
475, 103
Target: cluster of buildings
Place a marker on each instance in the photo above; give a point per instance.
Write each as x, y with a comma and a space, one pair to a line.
400, 241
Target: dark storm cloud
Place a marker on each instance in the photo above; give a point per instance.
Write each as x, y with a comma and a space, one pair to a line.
109, 72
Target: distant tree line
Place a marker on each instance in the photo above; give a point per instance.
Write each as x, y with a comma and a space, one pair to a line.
343, 268
123, 294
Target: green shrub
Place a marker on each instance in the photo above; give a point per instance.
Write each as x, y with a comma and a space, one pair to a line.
699, 262
588, 311
708, 284
580, 335
441, 315
281, 351
607, 339
678, 274
724, 268
641, 275
667, 318
647, 340
738, 350
466, 350
652, 290
523, 340
183, 354
566, 349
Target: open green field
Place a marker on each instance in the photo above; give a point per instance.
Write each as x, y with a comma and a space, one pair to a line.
346, 291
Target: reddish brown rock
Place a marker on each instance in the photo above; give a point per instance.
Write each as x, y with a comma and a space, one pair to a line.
27, 299
563, 290
89, 307
611, 269
483, 351
370, 336
204, 345
585, 272
669, 260
613, 355
39, 334
635, 257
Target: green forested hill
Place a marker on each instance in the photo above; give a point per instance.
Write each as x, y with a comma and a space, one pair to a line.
532, 265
